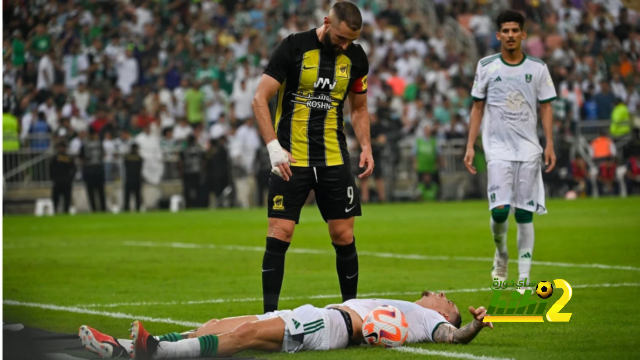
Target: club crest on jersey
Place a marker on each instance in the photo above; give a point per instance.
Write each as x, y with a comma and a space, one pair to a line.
528, 77
342, 71
278, 202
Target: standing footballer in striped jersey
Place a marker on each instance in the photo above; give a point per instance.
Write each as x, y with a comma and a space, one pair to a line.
313, 73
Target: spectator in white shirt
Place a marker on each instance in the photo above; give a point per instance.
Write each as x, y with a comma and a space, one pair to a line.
243, 148
143, 16
127, 70
481, 26
166, 117
46, 72
151, 153
114, 50
76, 144
574, 14
439, 45
76, 66
78, 121
81, 96
110, 154
50, 111
29, 118
165, 96
220, 128
182, 130
216, 101
417, 43
241, 98
178, 97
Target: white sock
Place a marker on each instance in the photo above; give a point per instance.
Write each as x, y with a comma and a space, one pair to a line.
499, 231
188, 349
525, 249
126, 343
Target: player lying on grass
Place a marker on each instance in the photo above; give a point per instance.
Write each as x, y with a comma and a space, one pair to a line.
432, 318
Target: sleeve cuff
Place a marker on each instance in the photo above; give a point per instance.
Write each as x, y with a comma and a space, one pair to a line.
547, 100
436, 328
478, 99
278, 78
360, 92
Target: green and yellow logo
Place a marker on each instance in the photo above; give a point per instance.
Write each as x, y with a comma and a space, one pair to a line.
527, 306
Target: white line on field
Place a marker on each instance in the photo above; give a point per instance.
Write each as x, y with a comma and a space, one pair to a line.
327, 296
449, 354
367, 253
117, 315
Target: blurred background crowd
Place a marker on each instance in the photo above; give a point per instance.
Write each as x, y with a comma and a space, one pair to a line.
88, 79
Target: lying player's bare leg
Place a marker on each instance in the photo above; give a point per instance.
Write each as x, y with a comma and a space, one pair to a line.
217, 327
266, 335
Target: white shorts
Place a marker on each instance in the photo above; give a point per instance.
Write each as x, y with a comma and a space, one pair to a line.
310, 328
516, 183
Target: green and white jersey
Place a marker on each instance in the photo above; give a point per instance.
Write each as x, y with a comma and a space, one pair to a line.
511, 94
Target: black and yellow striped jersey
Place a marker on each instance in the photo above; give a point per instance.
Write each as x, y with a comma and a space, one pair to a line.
314, 86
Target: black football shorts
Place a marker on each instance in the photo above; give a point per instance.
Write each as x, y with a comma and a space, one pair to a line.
335, 190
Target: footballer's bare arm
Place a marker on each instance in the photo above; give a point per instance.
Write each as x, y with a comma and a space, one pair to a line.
446, 333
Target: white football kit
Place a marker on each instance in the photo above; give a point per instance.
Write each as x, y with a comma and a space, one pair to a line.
422, 322
509, 135
310, 328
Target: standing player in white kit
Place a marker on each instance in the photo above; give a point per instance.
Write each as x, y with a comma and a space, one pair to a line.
511, 84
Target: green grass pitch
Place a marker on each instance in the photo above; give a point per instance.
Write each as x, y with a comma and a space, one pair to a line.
97, 260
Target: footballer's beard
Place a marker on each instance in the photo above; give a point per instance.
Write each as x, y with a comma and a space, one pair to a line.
330, 46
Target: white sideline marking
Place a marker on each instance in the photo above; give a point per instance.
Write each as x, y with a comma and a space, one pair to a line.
368, 253
117, 315
328, 296
449, 354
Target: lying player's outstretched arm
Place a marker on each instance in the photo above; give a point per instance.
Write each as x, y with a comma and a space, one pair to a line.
446, 333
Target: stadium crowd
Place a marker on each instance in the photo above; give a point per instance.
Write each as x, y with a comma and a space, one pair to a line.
177, 78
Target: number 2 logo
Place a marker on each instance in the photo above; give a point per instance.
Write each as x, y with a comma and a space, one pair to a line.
554, 314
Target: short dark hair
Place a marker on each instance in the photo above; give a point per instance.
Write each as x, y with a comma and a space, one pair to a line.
510, 16
349, 14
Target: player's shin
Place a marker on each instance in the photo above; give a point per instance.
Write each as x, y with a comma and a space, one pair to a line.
525, 242
499, 227
273, 272
347, 266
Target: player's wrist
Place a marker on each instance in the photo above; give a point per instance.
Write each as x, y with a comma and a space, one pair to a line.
273, 145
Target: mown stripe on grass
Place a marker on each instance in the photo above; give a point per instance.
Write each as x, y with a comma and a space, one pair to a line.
368, 253
117, 315
327, 296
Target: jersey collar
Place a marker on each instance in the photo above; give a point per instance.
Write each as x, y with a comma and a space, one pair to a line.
524, 57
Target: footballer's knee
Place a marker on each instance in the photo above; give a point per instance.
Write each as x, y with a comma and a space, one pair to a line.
341, 235
523, 216
500, 214
246, 333
281, 229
